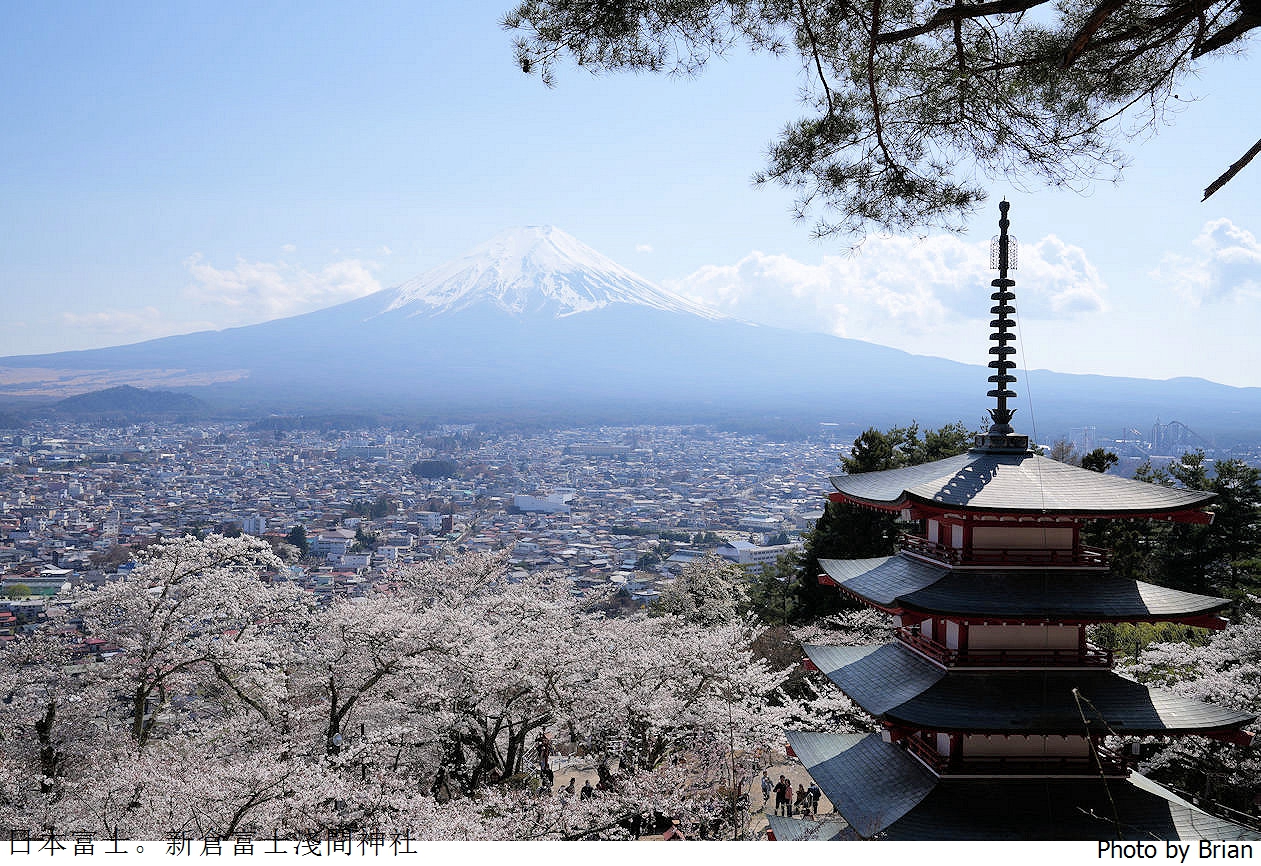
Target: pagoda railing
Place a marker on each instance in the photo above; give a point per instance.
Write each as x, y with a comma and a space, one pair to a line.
1090, 655
1083, 556
1112, 763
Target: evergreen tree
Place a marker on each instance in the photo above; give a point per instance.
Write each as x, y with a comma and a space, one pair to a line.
297, 537
1099, 460
773, 593
1206, 558
1236, 527
845, 531
908, 105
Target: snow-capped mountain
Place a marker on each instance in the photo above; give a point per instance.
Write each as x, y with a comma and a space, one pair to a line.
534, 270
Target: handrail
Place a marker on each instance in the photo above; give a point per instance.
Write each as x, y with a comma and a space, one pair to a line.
1083, 556
1090, 655
1111, 762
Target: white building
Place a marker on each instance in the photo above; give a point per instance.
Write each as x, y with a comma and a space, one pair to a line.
752, 556
332, 542
555, 503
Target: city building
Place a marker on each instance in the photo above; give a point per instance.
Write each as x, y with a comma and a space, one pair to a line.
753, 556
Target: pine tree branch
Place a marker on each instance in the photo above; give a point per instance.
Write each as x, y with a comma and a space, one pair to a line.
1249, 19
877, 122
958, 13
1234, 169
814, 50
1081, 39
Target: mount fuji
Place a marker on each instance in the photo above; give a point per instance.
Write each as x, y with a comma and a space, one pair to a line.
534, 322
533, 271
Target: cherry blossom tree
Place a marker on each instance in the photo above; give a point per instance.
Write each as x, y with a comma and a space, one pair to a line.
1226, 671
192, 612
223, 702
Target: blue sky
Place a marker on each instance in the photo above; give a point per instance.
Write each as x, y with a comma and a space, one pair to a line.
169, 168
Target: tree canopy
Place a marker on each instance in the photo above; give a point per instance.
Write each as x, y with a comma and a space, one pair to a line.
909, 102
222, 702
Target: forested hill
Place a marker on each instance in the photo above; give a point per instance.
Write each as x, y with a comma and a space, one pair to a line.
128, 400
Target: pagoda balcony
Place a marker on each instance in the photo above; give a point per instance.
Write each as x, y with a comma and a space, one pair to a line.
1110, 762
1088, 656
1080, 557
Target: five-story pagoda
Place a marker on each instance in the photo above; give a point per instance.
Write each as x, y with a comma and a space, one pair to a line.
994, 706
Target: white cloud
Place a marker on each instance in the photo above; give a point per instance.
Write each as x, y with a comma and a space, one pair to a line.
289, 248
898, 291
1224, 265
643, 248
144, 323
258, 291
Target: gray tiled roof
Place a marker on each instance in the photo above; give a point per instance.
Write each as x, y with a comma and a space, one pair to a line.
1027, 810
883, 579
804, 830
894, 683
1016, 482
908, 582
871, 783
1043, 702
1057, 594
877, 678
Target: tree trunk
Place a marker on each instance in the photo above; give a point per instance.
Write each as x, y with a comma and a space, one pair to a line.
49, 757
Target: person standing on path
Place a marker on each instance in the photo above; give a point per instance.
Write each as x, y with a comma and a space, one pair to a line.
784, 796
767, 787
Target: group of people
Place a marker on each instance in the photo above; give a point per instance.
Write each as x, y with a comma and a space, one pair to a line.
806, 800
543, 751
586, 793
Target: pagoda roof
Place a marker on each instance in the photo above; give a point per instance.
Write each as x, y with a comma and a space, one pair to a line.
1021, 482
903, 582
880, 789
871, 783
877, 678
902, 688
829, 829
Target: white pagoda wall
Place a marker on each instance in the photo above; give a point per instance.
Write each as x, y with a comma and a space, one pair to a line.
982, 746
1022, 537
1022, 637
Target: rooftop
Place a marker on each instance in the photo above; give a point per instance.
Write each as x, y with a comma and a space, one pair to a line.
1015, 483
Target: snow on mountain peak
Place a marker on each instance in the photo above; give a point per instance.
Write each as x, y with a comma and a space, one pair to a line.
534, 270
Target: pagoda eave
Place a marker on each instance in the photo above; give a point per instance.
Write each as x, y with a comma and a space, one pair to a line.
923, 508
911, 615
920, 588
914, 507
897, 685
1228, 734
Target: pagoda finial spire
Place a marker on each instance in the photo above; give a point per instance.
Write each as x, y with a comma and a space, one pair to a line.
1003, 256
